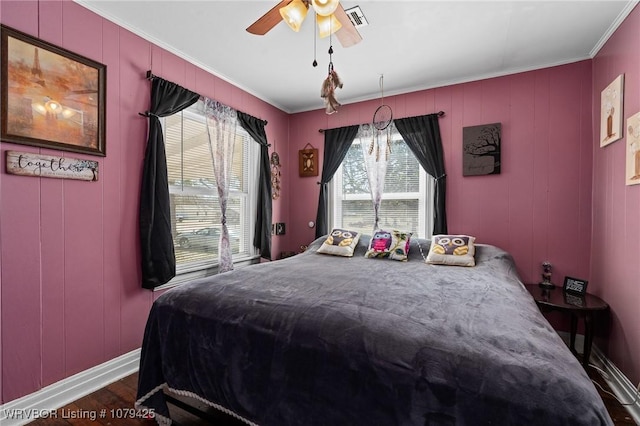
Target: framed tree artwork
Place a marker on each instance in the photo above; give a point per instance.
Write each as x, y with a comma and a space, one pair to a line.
51, 97
611, 101
481, 149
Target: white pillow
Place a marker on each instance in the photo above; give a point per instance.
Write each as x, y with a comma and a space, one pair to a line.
457, 250
340, 242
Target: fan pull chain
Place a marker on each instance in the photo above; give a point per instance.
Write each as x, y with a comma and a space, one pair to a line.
315, 49
330, 48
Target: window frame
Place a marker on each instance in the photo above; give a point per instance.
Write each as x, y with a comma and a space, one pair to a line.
203, 268
425, 197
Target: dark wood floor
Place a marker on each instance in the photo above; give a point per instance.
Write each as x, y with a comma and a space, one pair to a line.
121, 395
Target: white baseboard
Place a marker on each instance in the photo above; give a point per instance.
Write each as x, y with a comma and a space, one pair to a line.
621, 386
47, 400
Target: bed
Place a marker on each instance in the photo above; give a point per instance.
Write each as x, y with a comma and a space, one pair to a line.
317, 339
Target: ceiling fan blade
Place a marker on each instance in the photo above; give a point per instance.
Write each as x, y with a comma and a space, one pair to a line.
268, 20
348, 34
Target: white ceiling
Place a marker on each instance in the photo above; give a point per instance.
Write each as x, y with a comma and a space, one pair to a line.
414, 44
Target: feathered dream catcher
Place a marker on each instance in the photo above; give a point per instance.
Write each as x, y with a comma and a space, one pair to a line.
275, 173
329, 85
381, 135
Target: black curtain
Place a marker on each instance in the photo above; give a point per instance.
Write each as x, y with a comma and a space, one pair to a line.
156, 241
262, 236
336, 144
422, 135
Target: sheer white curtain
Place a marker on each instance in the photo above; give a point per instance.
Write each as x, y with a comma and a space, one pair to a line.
376, 149
221, 129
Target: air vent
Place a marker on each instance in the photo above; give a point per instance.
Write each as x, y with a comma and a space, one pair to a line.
357, 17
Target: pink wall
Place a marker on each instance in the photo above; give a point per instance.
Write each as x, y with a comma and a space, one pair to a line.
615, 246
71, 296
539, 207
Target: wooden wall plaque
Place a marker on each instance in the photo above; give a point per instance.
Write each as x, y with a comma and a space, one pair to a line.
308, 161
52, 166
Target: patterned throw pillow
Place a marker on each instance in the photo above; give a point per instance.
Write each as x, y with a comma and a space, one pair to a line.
458, 250
392, 244
340, 242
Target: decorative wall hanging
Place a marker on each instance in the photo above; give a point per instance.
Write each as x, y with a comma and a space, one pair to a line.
611, 101
51, 166
308, 161
481, 149
51, 97
275, 173
633, 149
382, 118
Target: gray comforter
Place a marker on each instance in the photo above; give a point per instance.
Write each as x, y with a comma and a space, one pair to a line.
324, 340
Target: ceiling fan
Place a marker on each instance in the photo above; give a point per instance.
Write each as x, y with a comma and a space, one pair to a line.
330, 17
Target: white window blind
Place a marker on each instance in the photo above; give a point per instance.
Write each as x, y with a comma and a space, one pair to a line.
407, 203
195, 209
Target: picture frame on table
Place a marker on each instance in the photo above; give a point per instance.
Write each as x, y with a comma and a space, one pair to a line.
51, 97
575, 286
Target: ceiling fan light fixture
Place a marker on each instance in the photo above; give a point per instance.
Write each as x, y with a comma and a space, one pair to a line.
327, 25
293, 14
325, 7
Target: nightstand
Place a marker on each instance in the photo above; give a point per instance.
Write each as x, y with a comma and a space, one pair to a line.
587, 307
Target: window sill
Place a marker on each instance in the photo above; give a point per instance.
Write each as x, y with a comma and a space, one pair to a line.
188, 276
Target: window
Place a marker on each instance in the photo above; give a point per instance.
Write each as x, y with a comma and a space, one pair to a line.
407, 202
195, 208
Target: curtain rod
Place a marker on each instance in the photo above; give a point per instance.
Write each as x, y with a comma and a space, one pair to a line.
440, 114
150, 76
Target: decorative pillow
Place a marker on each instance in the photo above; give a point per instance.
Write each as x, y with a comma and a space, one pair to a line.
340, 242
457, 250
392, 244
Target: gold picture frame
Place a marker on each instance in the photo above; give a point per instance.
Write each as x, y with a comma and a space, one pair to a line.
611, 103
51, 97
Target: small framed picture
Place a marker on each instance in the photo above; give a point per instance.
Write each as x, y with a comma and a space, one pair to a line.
575, 286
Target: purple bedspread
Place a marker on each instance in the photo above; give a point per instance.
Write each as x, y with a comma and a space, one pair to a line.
324, 340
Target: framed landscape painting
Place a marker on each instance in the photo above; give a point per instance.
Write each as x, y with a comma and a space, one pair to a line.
51, 97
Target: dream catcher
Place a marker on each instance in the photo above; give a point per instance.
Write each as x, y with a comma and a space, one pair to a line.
381, 134
275, 173
330, 84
